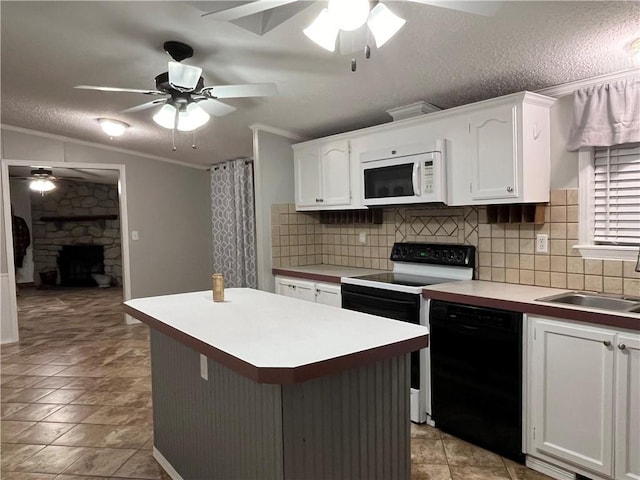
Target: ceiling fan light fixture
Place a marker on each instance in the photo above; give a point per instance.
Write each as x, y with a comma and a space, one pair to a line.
192, 117
166, 116
384, 24
323, 31
41, 185
349, 15
183, 77
113, 128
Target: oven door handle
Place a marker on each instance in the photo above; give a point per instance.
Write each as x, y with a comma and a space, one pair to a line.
415, 179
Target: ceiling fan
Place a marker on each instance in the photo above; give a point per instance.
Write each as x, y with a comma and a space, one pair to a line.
262, 16
42, 179
187, 102
350, 23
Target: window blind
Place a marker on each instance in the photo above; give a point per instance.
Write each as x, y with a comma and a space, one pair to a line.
617, 194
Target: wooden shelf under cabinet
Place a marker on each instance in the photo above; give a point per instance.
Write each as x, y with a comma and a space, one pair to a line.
516, 213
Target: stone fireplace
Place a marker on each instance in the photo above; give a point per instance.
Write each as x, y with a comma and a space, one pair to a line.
81, 215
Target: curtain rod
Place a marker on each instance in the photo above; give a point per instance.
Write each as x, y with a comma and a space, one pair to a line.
216, 166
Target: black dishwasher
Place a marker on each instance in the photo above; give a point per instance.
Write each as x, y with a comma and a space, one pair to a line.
476, 375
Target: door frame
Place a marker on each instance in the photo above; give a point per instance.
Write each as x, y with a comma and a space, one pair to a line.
6, 205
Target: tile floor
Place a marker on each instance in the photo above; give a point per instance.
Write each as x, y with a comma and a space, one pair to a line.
76, 400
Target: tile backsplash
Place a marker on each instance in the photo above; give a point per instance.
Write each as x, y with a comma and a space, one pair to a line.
505, 252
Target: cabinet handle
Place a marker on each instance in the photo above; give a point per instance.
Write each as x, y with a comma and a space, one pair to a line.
319, 200
318, 291
622, 346
607, 343
509, 189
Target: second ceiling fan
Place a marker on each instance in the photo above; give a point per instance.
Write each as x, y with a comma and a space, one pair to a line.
187, 102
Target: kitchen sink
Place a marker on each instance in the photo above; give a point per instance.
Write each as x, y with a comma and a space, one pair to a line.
596, 300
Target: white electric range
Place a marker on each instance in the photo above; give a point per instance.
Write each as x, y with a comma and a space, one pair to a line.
398, 295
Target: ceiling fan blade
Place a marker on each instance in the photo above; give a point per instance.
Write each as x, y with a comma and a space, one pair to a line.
239, 91
215, 108
488, 9
183, 77
145, 106
116, 89
238, 11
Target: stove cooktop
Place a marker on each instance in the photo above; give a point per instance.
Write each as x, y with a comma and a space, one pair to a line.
403, 279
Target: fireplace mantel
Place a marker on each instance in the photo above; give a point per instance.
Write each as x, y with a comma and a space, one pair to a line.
79, 218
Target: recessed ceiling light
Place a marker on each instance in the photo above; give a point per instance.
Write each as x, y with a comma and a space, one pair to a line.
113, 128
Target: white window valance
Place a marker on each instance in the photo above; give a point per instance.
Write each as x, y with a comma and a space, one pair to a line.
606, 115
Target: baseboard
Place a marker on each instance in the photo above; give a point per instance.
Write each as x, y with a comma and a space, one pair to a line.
549, 470
166, 466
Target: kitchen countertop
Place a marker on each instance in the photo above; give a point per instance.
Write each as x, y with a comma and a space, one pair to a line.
275, 339
324, 273
522, 298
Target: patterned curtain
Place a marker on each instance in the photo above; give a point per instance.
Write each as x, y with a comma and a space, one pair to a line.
233, 218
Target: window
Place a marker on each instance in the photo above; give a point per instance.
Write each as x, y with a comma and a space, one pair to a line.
610, 202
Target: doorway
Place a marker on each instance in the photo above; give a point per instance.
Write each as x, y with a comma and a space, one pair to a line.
95, 227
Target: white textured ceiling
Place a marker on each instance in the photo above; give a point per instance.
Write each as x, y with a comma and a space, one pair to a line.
445, 57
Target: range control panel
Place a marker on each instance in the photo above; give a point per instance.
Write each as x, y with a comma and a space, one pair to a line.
454, 255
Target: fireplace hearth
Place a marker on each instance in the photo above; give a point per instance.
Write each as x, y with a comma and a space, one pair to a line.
78, 262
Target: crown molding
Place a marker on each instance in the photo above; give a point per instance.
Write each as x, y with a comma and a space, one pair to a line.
568, 88
276, 131
85, 143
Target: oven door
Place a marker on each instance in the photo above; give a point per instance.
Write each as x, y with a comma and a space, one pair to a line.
401, 306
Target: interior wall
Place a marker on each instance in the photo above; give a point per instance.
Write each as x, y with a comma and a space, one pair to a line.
273, 162
167, 204
564, 164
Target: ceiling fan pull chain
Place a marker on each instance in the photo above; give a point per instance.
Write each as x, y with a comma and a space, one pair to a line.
193, 141
173, 130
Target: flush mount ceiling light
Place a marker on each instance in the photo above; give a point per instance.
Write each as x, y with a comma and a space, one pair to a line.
349, 15
41, 181
113, 128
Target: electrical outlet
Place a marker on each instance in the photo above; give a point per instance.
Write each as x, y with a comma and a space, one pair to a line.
362, 237
542, 243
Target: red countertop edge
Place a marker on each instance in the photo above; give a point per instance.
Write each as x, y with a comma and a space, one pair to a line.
283, 376
538, 309
317, 277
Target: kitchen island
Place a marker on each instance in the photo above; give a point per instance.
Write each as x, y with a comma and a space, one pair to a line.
265, 387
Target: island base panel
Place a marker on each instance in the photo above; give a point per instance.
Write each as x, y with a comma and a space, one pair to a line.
347, 426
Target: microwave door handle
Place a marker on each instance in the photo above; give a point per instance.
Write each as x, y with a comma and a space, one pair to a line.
415, 179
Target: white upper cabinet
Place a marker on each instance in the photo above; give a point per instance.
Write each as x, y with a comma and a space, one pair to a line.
322, 175
508, 152
493, 153
498, 151
334, 173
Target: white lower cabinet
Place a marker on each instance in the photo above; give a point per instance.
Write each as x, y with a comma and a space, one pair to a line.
584, 397
319, 292
302, 289
328, 294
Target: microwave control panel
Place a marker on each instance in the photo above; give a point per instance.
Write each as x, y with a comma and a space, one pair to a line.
427, 176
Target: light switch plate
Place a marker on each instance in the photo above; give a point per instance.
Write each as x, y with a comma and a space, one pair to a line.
135, 235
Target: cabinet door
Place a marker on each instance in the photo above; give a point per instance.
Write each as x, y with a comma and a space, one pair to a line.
494, 153
572, 393
284, 287
627, 441
328, 294
306, 166
335, 173
304, 290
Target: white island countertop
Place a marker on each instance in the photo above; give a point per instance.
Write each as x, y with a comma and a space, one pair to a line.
276, 339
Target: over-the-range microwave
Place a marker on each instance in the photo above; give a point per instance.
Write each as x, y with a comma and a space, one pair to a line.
406, 174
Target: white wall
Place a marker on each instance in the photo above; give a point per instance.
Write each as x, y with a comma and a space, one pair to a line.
21, 203
564, 164
168, 204
273, 162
